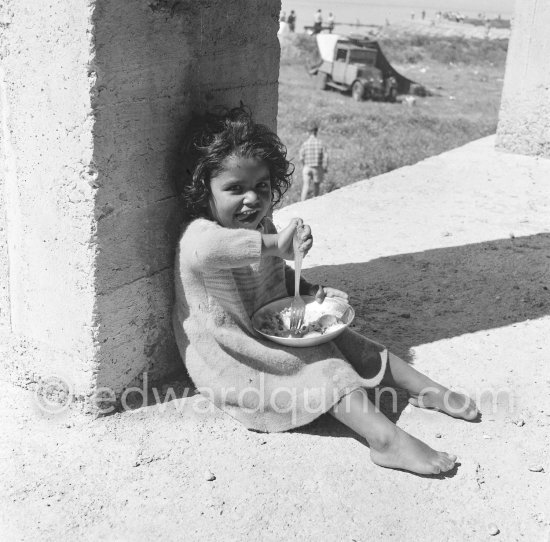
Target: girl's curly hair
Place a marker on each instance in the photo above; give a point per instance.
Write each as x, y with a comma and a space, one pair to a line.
214, 136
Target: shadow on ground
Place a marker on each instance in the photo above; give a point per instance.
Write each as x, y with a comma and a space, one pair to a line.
412, 299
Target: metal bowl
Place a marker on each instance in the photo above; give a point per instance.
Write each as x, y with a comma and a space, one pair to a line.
331, 305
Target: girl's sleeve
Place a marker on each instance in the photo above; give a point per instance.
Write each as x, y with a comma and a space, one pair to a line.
206, 245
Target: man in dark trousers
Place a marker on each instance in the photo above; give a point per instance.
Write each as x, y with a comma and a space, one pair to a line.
291, 20
317, 22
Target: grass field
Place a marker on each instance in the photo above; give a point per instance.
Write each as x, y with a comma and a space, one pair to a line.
371, 138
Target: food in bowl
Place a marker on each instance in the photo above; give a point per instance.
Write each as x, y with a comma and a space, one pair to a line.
318, 320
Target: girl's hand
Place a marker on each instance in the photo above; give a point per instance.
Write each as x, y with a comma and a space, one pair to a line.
284, 239
327, 291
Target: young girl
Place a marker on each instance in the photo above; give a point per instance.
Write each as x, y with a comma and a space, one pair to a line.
230, 262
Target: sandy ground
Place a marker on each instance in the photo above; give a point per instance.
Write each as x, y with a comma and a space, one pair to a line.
448, 262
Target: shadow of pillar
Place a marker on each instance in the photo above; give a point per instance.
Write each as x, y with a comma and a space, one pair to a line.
155, 62
412, 299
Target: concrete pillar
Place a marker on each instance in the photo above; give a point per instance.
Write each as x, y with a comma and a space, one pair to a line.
94, 97
524, 119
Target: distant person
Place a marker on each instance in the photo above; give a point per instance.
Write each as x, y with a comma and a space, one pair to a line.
330, 22
423, 14
282, 18
291, 20
314, 158
487, 28
317, 22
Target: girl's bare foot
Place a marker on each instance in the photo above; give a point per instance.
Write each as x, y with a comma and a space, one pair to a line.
403, 451
452, 403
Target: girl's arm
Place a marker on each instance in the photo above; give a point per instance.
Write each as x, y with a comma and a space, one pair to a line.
207, 245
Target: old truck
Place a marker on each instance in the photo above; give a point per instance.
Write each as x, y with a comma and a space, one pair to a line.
356, 64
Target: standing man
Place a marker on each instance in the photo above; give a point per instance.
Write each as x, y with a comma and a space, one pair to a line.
314, 158
317, 22
330, 22
291, 20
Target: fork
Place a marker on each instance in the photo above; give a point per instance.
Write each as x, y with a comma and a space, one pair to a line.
298, 307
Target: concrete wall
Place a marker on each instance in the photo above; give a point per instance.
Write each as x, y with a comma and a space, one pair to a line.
47, 148
96, 96
524, 119
4, 269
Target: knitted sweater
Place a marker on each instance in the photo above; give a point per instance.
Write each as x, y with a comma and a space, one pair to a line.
221, 279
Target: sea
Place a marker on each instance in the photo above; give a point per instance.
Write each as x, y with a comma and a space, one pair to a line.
351, 12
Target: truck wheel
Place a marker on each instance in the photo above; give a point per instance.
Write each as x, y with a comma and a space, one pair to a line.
322, 80
358, 91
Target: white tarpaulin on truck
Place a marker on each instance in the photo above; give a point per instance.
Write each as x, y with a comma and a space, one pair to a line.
326, 44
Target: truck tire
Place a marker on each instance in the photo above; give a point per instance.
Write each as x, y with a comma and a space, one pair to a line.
358, 91
322, 80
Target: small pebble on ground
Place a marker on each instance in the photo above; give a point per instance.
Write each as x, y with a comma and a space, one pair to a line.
520, 422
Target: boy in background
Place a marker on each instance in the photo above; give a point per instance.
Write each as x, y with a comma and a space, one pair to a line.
314, 158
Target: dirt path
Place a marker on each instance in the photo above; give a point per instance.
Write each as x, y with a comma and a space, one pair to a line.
427, 255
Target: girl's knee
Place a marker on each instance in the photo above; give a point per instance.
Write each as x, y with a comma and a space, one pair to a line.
352, 402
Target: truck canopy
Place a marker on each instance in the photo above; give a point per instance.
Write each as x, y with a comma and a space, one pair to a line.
327, 43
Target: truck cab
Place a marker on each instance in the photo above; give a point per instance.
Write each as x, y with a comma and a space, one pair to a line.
352, 67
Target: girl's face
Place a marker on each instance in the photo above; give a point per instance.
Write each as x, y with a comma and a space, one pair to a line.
240, 193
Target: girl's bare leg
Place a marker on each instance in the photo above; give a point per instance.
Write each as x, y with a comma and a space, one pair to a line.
426, 393
390, 446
